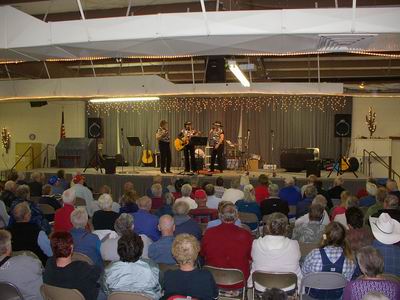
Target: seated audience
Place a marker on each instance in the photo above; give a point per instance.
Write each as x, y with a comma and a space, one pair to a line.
371, 264
212, 199
274, 294
127, 188
391, 207
275, 252
352, 201
228, 245
171, 186
188, 280
160, 251
4, 217
35, 185
166, 208
156, 199
261, 190
8, 195
249, 205
186, 192
85, 242
183, 222
311, 231
219, 187
357, 235
146, 223
386, 232
380, 198
157, 179
22, 271
218, 221
27, 235
109, 245
48, 198
334, 255
62, 217
290, 193
303, 206
321, 191
105, 217
274, 203
392, 188
370, 199
131, 273
342, 207
311, 179
337, 189
81, 191
56, 186
234, 193
321, 200
202, 214
21, 178
61, 177
128, 203
62, 272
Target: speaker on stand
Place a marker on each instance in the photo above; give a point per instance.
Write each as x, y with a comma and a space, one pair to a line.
95, 131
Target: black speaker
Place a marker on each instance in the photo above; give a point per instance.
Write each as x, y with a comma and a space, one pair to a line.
343, 125
95, 128
110, 165
216, 69
313, 167
38, 103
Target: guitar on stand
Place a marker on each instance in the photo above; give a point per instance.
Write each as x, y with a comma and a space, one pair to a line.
147, 155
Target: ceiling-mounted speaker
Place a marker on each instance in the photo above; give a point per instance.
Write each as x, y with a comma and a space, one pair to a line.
38, 103
343, 125
215, 72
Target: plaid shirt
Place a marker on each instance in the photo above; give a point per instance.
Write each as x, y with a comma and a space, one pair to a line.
391, 256
313, 261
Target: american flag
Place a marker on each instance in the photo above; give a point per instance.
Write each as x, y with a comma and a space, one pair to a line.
62, 129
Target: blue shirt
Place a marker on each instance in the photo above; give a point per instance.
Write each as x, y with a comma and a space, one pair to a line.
290, 194
303, 206
391, 256
166, 209
367, 201
185, 224
146, 223
87, 243
215, 223
249, 207
160, 251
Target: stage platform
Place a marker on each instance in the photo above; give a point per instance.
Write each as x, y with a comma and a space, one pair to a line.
144, 176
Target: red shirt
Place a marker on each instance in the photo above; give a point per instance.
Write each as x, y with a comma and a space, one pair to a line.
228, 246
204, 214
156, 202
338, 211
62, 218
261, 192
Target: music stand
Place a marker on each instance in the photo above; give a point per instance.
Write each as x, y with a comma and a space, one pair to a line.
199, 141
134, 141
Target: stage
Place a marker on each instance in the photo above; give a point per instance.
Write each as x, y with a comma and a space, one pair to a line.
144, 176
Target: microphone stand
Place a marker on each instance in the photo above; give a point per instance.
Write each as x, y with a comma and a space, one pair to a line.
122, 151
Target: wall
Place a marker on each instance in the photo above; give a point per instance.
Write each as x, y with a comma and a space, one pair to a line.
387, 120
21, 120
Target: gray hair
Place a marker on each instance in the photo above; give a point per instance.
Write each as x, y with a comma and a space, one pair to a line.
36, 176
186, 190
20, 211
316, 212
370, 261
228, 212
391, 201
23, 192
248, 191
209, 189
181, 208
338, 181
277, 224
105, 201
169, 198
273, 189
235, 183
124, 223
289, 181
156, 190
68, 196
5, 242
46, 189
321, 200
10, 185
375, 296
310, 191
79, 217
144, 203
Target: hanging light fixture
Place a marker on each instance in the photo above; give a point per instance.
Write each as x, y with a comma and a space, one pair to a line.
238, 73
127, 99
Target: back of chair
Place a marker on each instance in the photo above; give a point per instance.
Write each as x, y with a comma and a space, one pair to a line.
8, 291
224, 276
306, 248
46, 209
80, 201
323, 281
166, 267
246, 217
82, 257
25, 252
50, 292
292, 210
35, 199
271, 280
127, 296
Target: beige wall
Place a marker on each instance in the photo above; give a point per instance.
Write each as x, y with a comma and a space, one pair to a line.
387, 120
21, 120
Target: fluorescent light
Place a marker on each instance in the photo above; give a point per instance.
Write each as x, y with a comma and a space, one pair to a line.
129, 99
238, 73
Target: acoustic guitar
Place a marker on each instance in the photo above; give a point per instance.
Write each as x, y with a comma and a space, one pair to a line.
181, 142
147, 155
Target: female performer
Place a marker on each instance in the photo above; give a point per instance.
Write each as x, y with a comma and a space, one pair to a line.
163, 138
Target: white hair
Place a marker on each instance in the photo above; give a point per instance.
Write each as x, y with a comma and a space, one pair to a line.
321, 200
186, 190
69, 196
156, 190
79, 217
105, 201
273, 189
248, 192
10, 185
289, 181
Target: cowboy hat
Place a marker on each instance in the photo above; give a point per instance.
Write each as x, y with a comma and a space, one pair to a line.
371, 188
217, 123
385, 229
187, 123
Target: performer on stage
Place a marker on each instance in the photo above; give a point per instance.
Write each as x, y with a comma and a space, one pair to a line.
186, 133
162, 136
217, 140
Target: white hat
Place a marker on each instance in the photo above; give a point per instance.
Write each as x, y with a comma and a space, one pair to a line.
371, 188
385, 229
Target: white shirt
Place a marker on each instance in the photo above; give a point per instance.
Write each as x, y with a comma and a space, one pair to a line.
84, 193
306, 219
109, 248
219, 191
212, 201
341, 218
4, 217
192, 204
232, 195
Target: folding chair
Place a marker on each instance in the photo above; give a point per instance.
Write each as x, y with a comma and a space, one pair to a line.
80, 202
321, 281
223, 276
25, 252
82, 257
46, 209
50, 292
306, 248
249, 218
9, 291
269, 280
127, 296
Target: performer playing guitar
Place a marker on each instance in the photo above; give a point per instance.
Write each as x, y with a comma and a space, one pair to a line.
162, 136
217, 140
186, 134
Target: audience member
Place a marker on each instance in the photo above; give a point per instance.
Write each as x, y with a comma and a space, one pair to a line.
219, 187
337, 189
321, 191
183, 222
81, 191
157, 179
212, 199
178, 186
302, 207
4, 217
321, 200
23, 271
249, 205
391, 207
61, 177
311, 231
131, 273
334, 255
261, 190
35, 185
275, 252
374, 296
146, 223
311, 179
171, 186
56, 186
127, 188
85, 242
188, 280
156, 199
372, 265
62, 217
186, 192
274, 203
392, 188
105, 217
386, 232
62, 272
370, 199
166, 208
218, 221
352, 201
290, 193
21, 178
8, 195
47, 198
202, 214
128, 202
357, 235
274, 294
342, 207
380, 198
228, 245
28, 236
160, 251
234, 193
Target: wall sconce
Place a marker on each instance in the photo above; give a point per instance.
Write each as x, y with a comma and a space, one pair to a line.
6, 139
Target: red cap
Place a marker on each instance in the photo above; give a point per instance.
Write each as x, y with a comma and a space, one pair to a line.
200, 194
78, 178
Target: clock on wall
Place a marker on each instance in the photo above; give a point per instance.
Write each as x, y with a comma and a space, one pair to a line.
32, 136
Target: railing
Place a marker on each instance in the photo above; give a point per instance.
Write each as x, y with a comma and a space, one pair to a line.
45, 159
372, 155
22, 156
